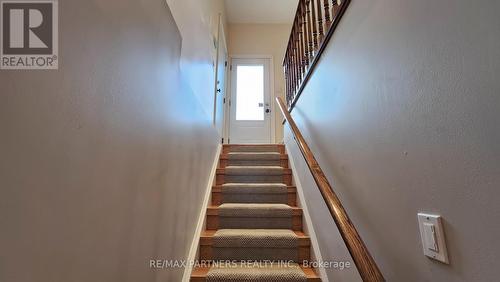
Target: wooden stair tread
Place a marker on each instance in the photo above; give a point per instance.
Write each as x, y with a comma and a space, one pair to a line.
283, 170
217, 195
214, 210
279, 148
225, 156
291, 188
206, 238
231, 146
211, 233
199, 274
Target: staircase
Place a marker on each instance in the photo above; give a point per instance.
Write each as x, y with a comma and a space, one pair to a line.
253, 226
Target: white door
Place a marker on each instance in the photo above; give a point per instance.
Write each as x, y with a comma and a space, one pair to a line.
250, 111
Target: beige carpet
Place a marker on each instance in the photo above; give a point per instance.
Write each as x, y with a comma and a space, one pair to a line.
265, 273
255, 222
275, 193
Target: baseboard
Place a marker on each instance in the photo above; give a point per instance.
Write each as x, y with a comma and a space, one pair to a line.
305, 212
201, 219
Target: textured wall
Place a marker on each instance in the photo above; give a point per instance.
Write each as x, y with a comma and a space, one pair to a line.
198, 22
104, 162
403, 114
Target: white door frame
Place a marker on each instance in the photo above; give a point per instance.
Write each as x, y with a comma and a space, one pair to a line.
272, 94
221, 40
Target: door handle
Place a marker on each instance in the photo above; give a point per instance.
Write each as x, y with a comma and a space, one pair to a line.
268, 111
218, 90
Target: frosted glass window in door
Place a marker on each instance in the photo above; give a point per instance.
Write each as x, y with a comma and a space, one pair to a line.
250, 92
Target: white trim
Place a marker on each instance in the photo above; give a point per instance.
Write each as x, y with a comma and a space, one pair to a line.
272, 93
227, 112
216, 73
226, 82
271, 103
201, 219
221, 40
305, 212
227, 108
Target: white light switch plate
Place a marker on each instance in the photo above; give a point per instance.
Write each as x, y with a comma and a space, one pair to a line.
432, 234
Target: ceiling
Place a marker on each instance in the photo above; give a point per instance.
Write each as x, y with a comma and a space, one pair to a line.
261, 11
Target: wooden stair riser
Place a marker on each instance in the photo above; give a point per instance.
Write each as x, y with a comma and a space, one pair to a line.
303, 253
223, 178
224, 161
253, 148
213, 222
200, 275
207, 242
213, 219
291, 196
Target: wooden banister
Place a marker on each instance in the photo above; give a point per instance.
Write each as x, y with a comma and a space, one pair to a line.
312, 28
365, 264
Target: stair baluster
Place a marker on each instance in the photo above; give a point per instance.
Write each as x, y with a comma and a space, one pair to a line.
320, 22
328, 21
312, 28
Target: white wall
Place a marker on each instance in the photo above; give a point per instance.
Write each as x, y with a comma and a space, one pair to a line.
331, 246
403, 115
104, 162
198, 22
263, 39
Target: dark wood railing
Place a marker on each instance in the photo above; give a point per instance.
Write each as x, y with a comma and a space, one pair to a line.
313, 26
365, 264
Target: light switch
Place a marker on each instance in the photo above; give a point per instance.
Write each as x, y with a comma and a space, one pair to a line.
430, 237
432, 234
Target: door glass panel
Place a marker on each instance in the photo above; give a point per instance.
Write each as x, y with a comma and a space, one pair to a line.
250, 92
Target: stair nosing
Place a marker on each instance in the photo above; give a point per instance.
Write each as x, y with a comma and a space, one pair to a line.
202, 271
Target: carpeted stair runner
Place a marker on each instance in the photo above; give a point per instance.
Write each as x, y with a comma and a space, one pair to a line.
254, 170
254, 158
257, 273
275, 193
255, 245
253, 226
264, 216
254, 174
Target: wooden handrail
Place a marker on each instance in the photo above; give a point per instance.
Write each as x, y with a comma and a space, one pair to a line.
365, 264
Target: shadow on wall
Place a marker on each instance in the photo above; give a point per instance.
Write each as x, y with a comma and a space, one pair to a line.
104, 161
198, 22
408, 125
